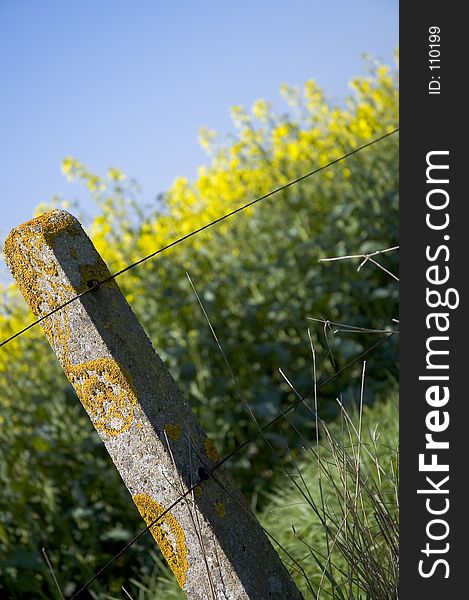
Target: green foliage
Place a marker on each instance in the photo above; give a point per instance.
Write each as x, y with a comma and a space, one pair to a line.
259, 280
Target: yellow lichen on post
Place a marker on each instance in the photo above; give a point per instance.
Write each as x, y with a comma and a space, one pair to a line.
24, 252
173, 431
210, 451
47, 225
24, 255
167, 533
220, 508
102, 385
107, 393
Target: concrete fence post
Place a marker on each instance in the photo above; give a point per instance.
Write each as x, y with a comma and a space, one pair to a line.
210, 539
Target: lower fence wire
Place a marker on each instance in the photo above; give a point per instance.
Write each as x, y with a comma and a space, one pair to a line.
210, 472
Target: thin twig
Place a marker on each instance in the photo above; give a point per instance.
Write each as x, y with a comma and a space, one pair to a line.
345, 328
363, 256
52, 572
126, 593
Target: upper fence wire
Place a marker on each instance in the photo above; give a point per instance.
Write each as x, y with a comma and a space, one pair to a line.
195, 232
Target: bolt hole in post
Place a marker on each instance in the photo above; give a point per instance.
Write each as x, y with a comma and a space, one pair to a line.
202, 473
92, 284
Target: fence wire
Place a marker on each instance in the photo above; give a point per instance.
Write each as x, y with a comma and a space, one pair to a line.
195, 232
210, 472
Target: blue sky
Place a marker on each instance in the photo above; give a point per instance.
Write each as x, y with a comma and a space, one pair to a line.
127, 84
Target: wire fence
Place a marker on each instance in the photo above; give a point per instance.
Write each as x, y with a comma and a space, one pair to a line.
202, 474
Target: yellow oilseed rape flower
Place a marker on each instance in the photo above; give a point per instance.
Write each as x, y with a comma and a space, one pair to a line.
291, 94
260, 109
239, 115
382, 71
67, 165
281, 131
206, 137
115, 174
294, 151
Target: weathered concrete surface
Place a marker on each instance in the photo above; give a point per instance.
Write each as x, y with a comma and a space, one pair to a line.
211, 540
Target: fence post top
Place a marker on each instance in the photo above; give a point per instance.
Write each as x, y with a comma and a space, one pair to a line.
28, 253
48, 223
